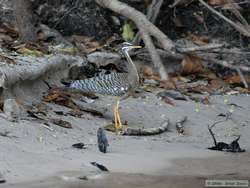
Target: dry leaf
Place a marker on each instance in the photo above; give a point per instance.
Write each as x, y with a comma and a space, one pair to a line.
205, 100
5, 38
5, 59
147, 71
61, 123
191, 64
208, 75
168, 100
236, 79
217, 2
167, 84
29, 52
199, 40
173, 94
243, 90
60, 97
9, 29
65, 98
76, 113
52, 96
216, 84
86, 44
29, 49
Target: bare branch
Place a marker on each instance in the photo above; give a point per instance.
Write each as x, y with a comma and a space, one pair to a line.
238, 27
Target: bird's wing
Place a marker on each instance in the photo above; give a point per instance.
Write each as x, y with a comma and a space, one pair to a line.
108, 84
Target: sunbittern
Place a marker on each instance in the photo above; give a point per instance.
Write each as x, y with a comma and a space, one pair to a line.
117, 84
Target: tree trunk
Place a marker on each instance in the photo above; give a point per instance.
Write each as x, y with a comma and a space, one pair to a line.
24, 20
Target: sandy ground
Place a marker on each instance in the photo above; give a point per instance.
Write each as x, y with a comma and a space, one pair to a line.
38, 157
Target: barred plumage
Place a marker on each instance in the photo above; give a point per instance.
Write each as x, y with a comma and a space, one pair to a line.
110, 84
117, 84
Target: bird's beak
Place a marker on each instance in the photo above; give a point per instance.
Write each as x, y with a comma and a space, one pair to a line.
136, 46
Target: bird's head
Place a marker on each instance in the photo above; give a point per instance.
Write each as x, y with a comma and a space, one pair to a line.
126, 46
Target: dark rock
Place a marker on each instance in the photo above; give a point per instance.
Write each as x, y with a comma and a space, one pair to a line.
102, 140
79, 145
101, 167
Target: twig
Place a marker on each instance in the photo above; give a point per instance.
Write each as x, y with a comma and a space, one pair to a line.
226, 64
154, 10
180, 2
242, 77
199, 48
152, 13
238, 27
228, 51
211, 132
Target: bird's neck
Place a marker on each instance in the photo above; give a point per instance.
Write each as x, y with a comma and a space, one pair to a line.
133, 76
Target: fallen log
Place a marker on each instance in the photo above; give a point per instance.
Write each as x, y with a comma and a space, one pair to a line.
28, 78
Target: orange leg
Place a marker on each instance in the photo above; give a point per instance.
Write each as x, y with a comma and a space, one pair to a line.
118, 115
117, 118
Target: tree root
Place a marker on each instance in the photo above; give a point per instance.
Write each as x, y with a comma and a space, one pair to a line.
147, 30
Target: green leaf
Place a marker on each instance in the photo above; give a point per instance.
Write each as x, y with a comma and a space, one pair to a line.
127, 32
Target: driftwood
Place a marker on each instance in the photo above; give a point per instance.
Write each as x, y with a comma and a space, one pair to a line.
29, 78
31, 67
146, 131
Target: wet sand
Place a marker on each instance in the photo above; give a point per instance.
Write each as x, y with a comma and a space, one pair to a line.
122, 180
